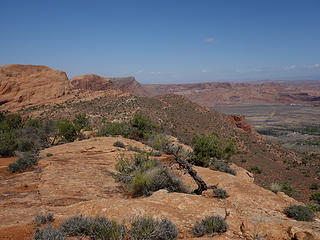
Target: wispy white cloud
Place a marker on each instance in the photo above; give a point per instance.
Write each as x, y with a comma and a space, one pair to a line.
139, 71
291, 67
210, 40
313, 66
204, 70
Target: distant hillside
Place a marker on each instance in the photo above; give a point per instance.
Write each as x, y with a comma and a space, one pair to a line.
129, 84
91, 82
211, 94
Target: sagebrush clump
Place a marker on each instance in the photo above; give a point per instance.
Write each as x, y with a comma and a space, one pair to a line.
144, 175
300, 213
148, 229
222, 167
27, 161
119, 144
220, 193
210, 225
49, 233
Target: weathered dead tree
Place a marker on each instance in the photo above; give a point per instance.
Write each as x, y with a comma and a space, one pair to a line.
183, 162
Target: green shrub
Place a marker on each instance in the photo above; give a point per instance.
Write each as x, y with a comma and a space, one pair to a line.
146, 228
67, 130
34, 123
8, 144
134, 149
286, 188
14, 121
49, 154
27, 161
220, 193
299, 213
114, 129
49, 233
81, 122
207, 147
154, 153
119, 144
144, 175
210, 225
314, 186
315, 207
315, 197
255, 170
159, 142
141, 127
222, 167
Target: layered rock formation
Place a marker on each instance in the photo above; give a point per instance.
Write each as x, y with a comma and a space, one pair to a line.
27, 85
92, 82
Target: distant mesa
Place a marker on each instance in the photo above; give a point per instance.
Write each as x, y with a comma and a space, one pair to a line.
95, 82
91, 82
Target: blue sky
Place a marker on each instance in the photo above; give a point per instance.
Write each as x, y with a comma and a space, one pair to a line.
165, 41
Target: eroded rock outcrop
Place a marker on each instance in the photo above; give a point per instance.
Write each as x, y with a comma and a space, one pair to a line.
28, 85
76, 180
92, 82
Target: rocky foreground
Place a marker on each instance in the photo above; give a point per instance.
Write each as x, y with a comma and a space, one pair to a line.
76, 180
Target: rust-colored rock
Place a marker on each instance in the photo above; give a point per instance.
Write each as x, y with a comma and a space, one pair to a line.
77, 180
91, 82
28, 85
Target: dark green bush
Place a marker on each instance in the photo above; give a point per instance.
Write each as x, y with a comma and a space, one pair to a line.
315, 207
146, 228
220, 193
49, 233
119, 144
222, 167
255, 170
141, 127
34, 123
27, 161
315, 197
67, 130
114, 129
81, 122
14, 121
300, 213
8, 144
286, 187
207, 147
314, 186
210, 225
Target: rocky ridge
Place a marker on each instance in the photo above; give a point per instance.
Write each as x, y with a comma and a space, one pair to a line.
77, 180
